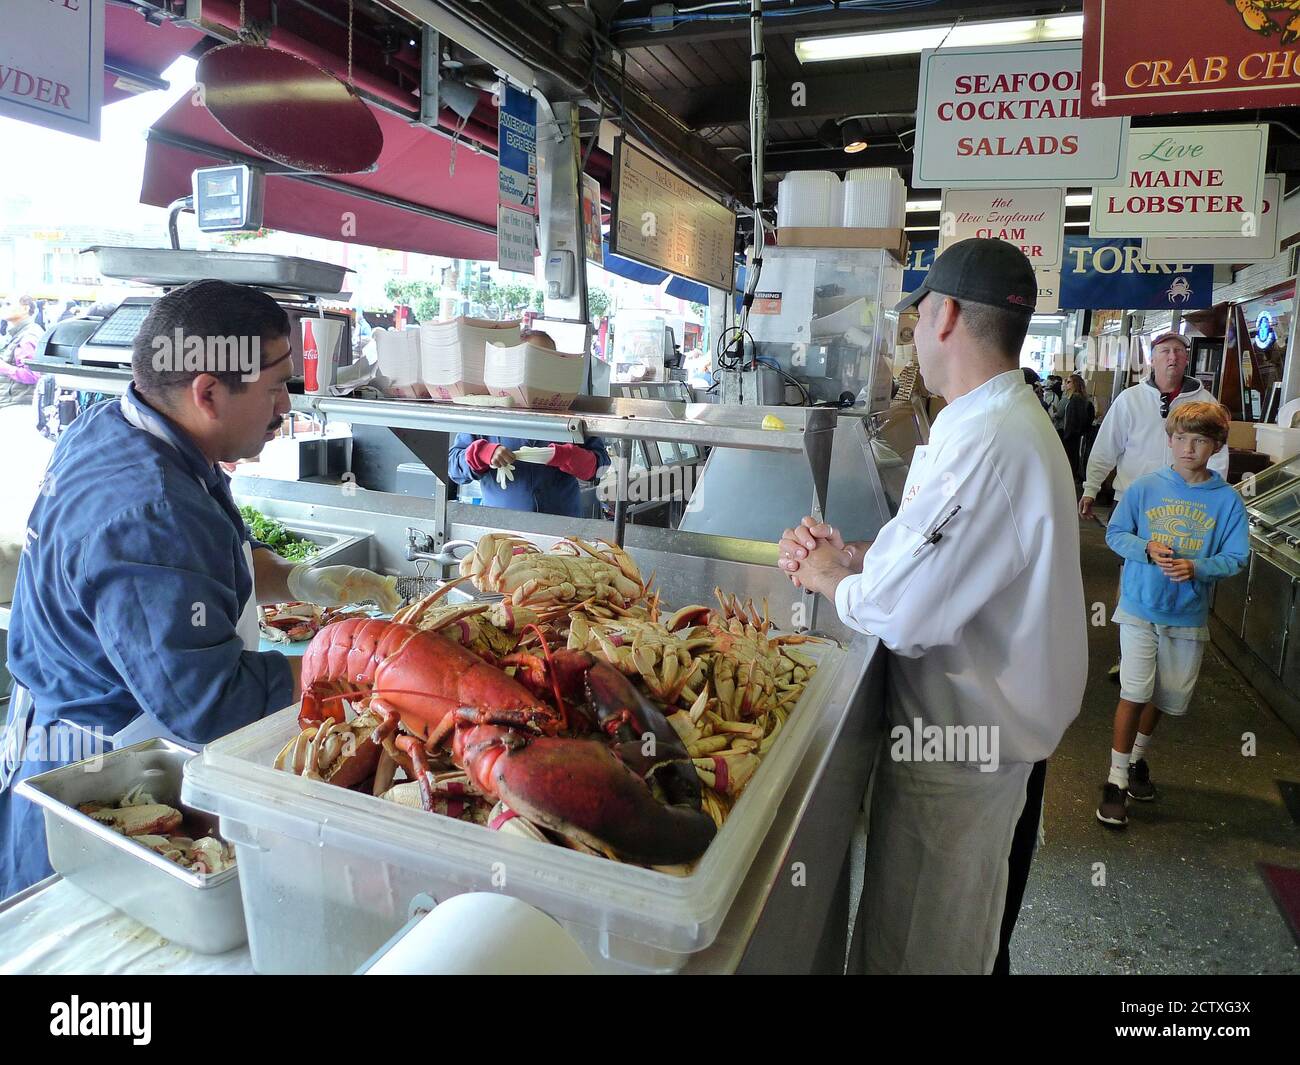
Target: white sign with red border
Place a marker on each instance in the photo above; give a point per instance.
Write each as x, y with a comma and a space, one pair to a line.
52, 64
1257, 245
1185, 181
1031, 219
1009, 117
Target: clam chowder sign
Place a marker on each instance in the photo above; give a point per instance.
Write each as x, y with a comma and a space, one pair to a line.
52, 64
1031, 219
1186, 181
1008, 117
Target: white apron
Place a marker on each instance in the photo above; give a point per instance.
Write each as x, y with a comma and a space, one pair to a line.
936, 871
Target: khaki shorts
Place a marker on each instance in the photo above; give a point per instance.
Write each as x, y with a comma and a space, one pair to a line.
1156, 667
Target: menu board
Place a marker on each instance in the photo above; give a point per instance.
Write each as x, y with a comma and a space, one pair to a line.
663, 220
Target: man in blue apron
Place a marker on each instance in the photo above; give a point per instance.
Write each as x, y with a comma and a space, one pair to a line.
548, 487
135, 611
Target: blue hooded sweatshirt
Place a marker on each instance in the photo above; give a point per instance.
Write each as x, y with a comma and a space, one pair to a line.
1204, 522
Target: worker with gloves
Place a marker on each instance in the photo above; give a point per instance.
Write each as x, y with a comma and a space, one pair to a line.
528, 475
135, 612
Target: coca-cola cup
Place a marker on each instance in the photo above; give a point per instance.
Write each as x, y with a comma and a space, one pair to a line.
320, 342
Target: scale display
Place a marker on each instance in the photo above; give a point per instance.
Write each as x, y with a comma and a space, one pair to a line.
663, 220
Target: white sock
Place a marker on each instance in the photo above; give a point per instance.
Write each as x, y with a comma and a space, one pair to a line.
1140, 745
1118, 769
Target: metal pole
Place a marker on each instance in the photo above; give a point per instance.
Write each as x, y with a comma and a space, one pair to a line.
622, 469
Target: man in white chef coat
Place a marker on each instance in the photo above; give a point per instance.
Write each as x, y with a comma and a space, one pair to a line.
975, 588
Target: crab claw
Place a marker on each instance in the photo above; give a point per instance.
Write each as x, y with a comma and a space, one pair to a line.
580, 790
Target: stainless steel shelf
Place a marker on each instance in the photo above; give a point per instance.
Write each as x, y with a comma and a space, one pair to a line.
85, 378
704, 424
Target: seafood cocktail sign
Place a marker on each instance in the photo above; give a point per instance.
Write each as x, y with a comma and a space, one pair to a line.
1009, 118
1152, 57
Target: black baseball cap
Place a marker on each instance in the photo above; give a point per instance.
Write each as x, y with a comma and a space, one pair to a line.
980, 270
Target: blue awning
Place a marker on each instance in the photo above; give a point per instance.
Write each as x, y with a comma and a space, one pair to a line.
679, 287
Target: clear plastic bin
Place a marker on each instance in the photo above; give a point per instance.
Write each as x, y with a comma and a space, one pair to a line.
327, 874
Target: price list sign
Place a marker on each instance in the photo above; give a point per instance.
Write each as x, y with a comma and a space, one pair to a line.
663, 220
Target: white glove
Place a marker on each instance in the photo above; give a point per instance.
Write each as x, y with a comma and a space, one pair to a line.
339, 585
540, 455
505, 474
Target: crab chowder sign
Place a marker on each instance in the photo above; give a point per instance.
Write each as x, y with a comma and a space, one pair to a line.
1186, 181
1153, 57
1009, 117
1031, 219
52, 64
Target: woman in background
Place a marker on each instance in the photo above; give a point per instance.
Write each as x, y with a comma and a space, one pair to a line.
1077, 417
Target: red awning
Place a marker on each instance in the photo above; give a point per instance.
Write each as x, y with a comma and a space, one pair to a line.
410, 202
137, 52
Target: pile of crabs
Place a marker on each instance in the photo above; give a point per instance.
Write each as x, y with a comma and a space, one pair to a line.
571, 710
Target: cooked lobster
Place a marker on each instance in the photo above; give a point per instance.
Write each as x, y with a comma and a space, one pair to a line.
598, 763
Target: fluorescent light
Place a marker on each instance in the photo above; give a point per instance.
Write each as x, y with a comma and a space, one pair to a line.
924, 205
1077, 225
963, 35
1082, 199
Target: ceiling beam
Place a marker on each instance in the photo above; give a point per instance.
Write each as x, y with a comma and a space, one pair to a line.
877, 92
843, 21
784, 158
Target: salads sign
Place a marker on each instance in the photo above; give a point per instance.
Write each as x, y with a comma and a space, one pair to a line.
52, 64
1031, 219
1009, 117
1186, 181
1148, 57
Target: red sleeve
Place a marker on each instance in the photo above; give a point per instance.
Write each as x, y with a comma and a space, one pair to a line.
576, 460
478, 456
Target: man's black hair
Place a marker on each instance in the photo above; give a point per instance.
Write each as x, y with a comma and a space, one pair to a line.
995, 327
208, 310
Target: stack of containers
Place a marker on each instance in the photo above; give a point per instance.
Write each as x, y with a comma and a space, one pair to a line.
452, 354
809, 199
397, 352
533, 376
874, 198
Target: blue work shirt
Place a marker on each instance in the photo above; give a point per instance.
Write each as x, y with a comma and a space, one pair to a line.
536, 488
130, 585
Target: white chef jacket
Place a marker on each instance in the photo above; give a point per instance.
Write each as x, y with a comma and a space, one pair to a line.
987, 625
1132, 440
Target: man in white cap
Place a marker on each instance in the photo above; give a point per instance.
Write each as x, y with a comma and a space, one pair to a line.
975, 588
1132, 440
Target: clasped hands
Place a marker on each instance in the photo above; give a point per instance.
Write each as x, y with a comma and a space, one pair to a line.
815, 556
1176, 569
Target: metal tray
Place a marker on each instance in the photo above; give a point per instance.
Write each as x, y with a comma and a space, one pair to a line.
167, 266
196, 910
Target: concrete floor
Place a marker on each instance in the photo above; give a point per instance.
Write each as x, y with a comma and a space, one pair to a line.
1181, 891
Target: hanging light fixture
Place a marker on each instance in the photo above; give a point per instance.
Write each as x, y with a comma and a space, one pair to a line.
853, 135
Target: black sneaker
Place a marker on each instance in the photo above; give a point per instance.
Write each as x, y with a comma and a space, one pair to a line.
1113, 810
1139, 781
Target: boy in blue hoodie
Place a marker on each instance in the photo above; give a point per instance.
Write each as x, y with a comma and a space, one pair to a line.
1179, 530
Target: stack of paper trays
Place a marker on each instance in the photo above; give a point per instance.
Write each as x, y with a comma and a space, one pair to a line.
397, 351
534, 377
452, 354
